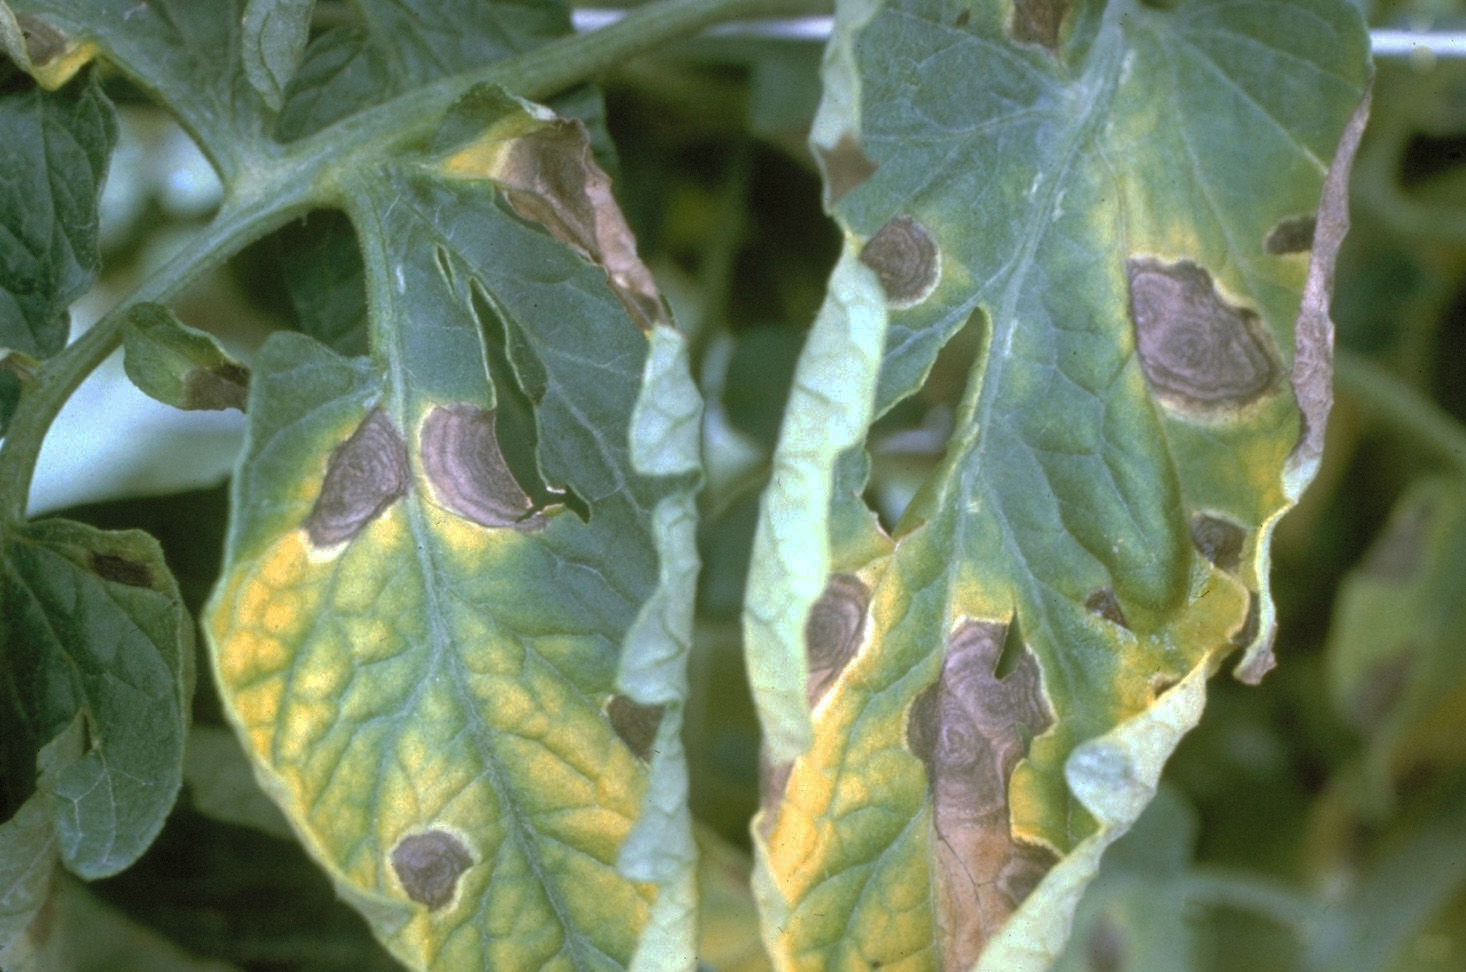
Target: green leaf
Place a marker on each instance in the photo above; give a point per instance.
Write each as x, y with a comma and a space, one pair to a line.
54, 147
1120, 201
28, 854
178, 365
1396, 670
186, 53
324, 278
93, 627
393, 46
467, 702
274, 38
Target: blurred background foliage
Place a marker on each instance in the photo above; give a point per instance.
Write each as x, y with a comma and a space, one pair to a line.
1315, 823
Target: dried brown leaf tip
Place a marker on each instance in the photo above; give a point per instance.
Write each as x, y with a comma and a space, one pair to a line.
832, 632
1199, 352
428, 866
365, 475
636, 724
1039, 22
463, 462
905, 256
1313, 334
550, 177
971, 729
845, 166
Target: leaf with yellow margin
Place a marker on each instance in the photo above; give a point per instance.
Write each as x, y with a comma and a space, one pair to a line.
457, 590
1135, 207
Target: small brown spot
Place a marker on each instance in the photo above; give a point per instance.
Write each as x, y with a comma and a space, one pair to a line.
1104, 603
429, 865
962, 19
1291, 236
845, 166
120, 570
1104, 949
1198, 352
635, 723
1399, 550
832, 632
42, 41
1039, 22
906, 258
222, 386
364, 476
1220, 541
460, 453
971, 729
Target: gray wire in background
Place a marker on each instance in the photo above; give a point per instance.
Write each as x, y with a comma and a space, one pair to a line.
1384, 43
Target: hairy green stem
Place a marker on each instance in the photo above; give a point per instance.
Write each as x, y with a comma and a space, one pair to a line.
1383, 398
280, 183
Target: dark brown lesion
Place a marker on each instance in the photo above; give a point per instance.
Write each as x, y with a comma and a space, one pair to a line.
906, 258
365, 475
833, 631
428, 866
1104, 603
120, 570
1198, 352
1039, 22
1294, 235
773, 782
467, 470
636, 724
971, 729
1218, 540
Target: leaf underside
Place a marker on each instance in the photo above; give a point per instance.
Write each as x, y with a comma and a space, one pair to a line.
1126, 202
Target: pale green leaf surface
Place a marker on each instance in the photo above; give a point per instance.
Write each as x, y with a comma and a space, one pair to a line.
439, 663
54, 148
274, 36
93, 625
185, 52
1115, 197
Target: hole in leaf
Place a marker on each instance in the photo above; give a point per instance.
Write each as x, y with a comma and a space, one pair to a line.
635, 724
519, 383
1013, 650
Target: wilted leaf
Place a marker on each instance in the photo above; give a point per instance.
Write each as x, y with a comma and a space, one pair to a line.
93, 628
1092, 188
469, 702
178, 365
54, 147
